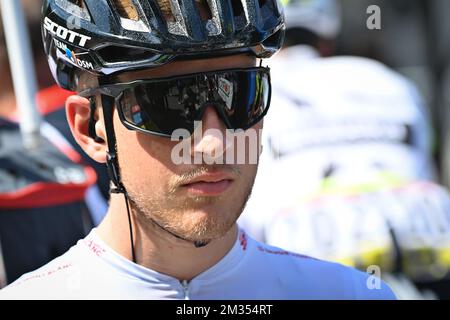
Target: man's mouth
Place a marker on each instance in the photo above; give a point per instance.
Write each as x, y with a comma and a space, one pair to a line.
209, 184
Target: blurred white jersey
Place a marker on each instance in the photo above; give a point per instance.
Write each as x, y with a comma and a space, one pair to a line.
251, 270
340, 130
346, 109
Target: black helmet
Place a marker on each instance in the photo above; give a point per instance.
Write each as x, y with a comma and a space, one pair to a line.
104, 37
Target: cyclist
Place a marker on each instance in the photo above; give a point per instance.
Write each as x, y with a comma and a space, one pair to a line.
142, 70
354, 174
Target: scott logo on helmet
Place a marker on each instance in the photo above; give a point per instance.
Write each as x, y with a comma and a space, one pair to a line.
64, 33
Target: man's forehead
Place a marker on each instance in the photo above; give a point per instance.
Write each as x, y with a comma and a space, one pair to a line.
191, 66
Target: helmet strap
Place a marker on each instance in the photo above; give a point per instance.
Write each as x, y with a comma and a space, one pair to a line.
112, 162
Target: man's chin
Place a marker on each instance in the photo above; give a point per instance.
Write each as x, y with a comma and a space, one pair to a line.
209, 236
207, 225
197, 202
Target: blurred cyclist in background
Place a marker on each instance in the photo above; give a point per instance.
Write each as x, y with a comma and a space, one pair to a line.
346, 173
42, 213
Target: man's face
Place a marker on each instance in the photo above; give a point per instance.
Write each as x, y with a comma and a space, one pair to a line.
195, 201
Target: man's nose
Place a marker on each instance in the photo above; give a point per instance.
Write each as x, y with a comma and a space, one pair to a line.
211, 141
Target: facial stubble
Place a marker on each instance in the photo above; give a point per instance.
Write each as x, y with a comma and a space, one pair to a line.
191, 217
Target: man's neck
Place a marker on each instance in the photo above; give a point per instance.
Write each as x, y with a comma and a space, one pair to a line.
158, 250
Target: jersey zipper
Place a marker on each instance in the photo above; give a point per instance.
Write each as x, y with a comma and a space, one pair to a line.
185, 285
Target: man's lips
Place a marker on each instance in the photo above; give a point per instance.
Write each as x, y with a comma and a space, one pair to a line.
209, 184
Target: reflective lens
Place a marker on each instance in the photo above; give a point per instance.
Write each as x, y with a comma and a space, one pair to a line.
161, 106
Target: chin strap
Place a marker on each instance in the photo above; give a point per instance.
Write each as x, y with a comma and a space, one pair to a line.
197, 244
112, 162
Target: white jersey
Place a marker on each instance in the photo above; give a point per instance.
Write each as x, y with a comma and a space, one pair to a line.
251, 270
357, 229
346, 173
341, 122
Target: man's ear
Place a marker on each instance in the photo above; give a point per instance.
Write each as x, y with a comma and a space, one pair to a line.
78, 112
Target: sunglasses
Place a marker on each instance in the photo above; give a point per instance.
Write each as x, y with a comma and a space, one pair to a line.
241, 98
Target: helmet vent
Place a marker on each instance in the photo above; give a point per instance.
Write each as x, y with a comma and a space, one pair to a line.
79, 3
238, 9
130, 16
239, 14
204, 9
118, 54
127, 9
262, 3
173, 15
76, 8
166, 9
209, 12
